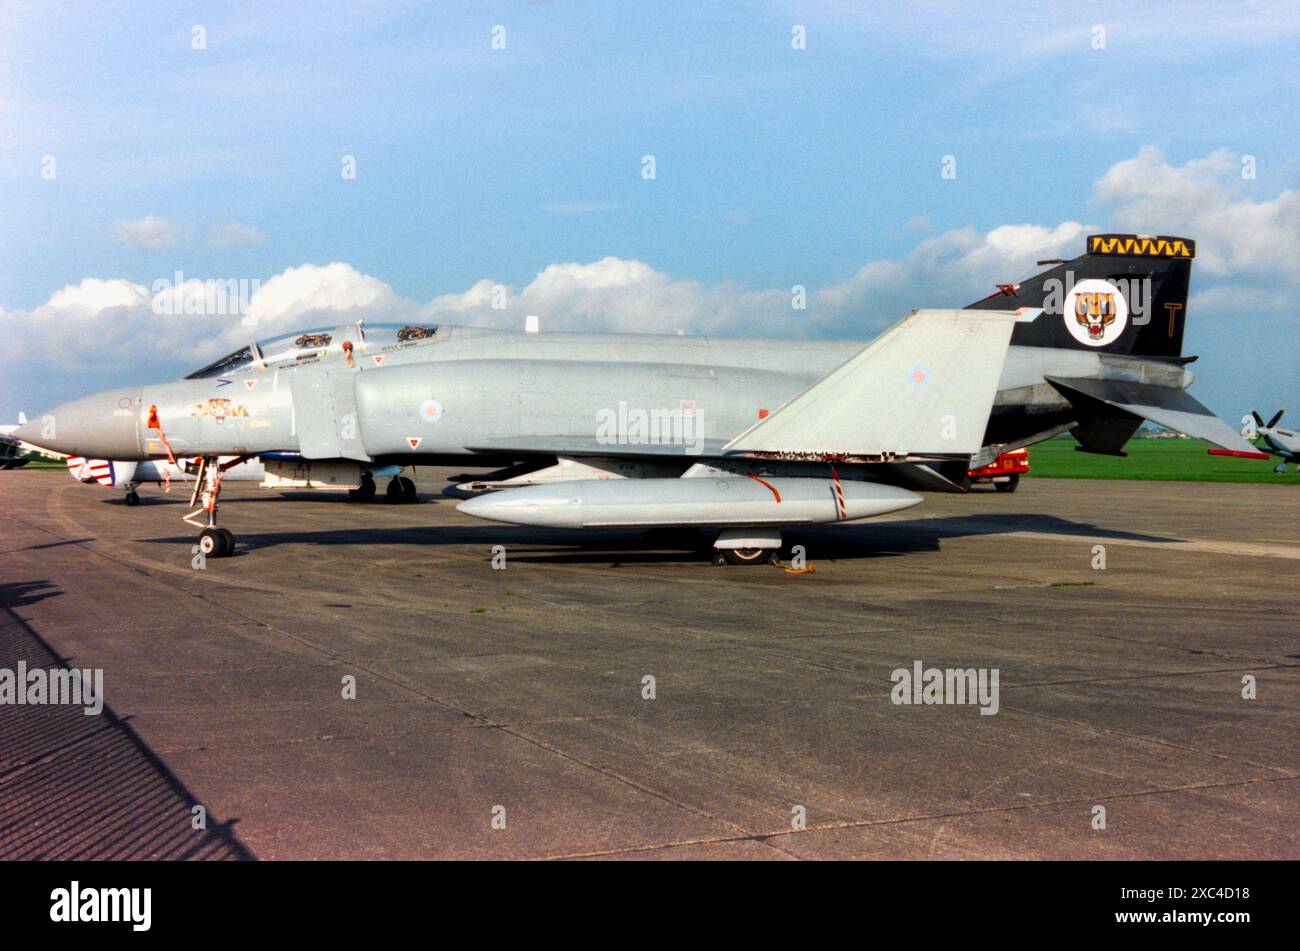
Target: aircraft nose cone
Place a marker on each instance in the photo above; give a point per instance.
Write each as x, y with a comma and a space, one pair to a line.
103, 426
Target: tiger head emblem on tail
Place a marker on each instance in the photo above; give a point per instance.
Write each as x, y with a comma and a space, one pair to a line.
1095, 312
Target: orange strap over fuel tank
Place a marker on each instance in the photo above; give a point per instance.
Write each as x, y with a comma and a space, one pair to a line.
770, 486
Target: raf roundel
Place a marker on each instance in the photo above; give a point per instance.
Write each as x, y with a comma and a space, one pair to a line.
919, 376
430, 411
1095, 312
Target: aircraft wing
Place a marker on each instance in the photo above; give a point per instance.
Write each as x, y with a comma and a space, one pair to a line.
577, 448
1167, 406
922, 389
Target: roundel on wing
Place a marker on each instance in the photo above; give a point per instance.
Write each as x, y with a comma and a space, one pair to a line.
1095, 312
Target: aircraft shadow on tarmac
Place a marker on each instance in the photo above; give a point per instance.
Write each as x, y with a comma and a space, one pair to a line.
87, 787
15, 594
868, 540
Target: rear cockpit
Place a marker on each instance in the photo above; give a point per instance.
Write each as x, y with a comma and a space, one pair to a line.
321, 344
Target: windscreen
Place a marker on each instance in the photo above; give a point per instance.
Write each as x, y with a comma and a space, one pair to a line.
310, 345
230, 363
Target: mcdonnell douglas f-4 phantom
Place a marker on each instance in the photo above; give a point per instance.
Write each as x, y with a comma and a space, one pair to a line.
647, 431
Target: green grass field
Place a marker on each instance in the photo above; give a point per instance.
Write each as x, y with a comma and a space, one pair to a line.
1168, 460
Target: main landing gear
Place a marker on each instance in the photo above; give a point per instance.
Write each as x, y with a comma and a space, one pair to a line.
214, 542
132, 496
366, 491
400, 490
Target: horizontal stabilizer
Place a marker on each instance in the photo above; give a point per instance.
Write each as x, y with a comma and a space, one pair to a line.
923, 388
1167, 406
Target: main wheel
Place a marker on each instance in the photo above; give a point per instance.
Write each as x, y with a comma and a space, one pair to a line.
1009, 485
408, 488
748, 556
365, 492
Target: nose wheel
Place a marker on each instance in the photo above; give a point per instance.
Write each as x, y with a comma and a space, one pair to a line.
217, 542
132, 496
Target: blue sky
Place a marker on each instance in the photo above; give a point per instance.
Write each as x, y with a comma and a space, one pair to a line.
774, 166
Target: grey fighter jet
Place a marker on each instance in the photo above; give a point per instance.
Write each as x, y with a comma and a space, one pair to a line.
741, 435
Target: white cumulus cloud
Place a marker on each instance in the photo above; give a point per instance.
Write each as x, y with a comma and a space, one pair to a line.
150, 233
1208, 200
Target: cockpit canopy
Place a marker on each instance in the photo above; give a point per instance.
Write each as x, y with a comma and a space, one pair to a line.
299, 347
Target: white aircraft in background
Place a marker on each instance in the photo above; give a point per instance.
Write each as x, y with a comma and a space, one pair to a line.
1281, 442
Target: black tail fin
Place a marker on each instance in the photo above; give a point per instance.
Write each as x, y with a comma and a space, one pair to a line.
1127, 294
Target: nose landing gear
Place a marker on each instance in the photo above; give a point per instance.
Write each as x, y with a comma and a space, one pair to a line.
217, 542
214, 542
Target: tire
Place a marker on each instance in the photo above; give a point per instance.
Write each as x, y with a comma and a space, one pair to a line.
1009, 486
365, 492
132, 498
211, 543
748, 556
394, 491
217, 542
408, 489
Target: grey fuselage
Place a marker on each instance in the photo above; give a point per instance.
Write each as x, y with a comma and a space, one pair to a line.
493, 394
